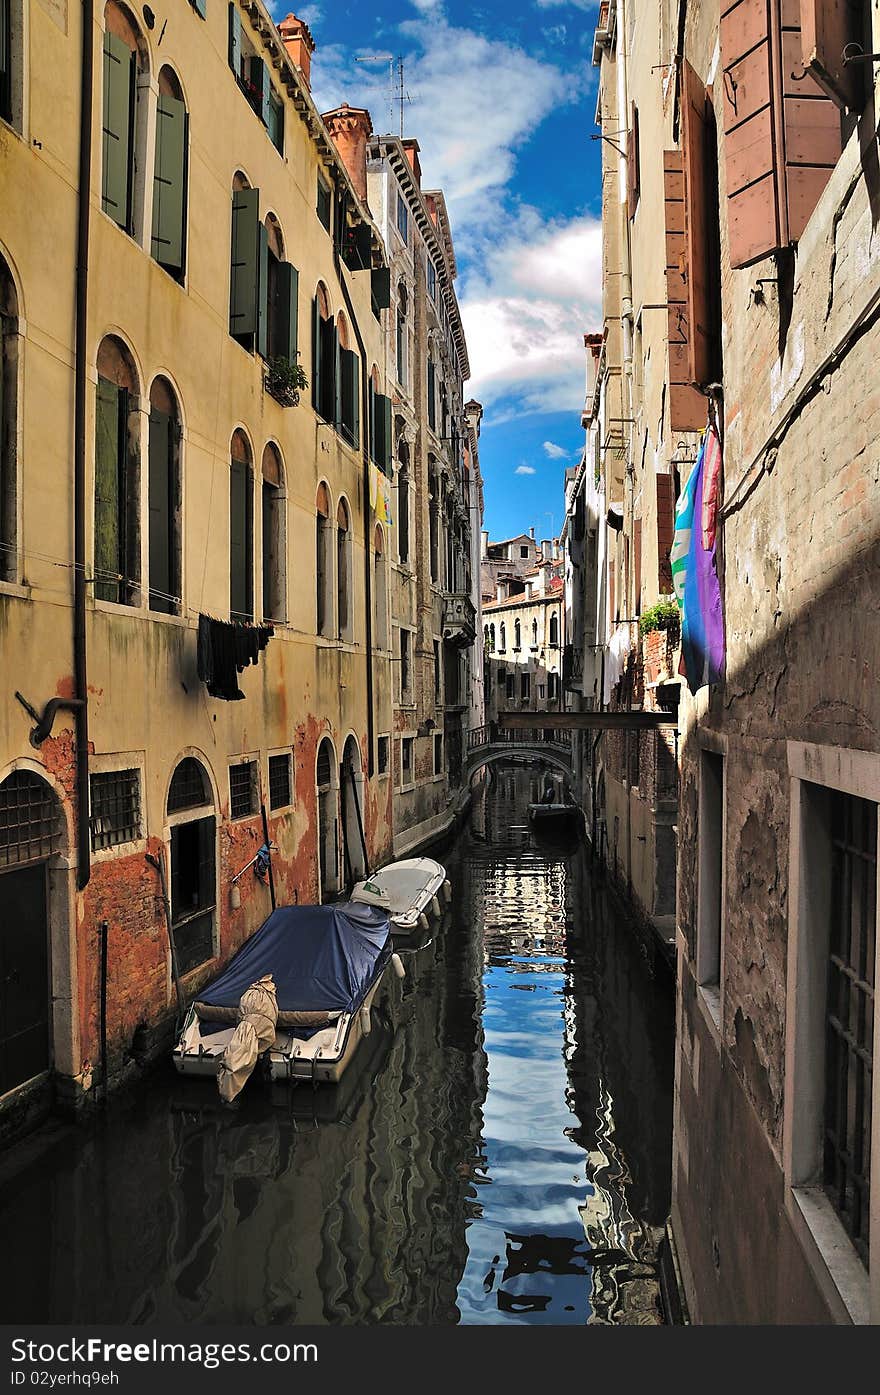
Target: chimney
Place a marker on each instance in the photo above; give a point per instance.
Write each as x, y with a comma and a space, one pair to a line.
432, 208
484, 544
411, 150
500, 589
300, 45
351, 128
532, 534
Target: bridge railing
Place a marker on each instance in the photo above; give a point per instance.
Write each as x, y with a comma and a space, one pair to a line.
493, 735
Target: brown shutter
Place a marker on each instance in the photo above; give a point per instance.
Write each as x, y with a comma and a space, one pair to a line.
754, 198
687, 407
826, 29
633, 179
697, 287
811, 124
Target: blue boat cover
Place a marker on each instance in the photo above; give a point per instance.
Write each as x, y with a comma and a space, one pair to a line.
322, 958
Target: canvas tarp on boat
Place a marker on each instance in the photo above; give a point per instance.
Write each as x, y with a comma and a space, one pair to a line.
255, 1033
321, 958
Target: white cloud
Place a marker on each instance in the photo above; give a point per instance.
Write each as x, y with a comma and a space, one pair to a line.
555, 452
524, 470
311, 14
575, 4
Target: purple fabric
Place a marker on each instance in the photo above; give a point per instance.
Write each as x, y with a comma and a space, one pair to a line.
702, 626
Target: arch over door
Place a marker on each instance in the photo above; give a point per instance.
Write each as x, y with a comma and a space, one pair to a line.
326, 780
353, 836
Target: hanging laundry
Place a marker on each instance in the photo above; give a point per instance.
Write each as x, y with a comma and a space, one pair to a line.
694, 569
224, 649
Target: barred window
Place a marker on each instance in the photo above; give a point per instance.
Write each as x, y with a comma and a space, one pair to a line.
279, 781
30, 828
189, 787
115, 798
849, 1014
242, 789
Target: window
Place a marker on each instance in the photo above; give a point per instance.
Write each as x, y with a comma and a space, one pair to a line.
438, 754
324, 562
492, 638
164, 500
252, 75
402, 306
431, 274
115, 804
170, 176
274, 537
349, 388
6, 60
711, 873
432, 396
438, 673
324, 357
554, 631
517, 635
117, 476
193, 864
406, 760
323, 204
402, 218
280, 782
275, 123
541, 688
124, 59
343, 571
30, 824
404, 665
633, 175
327, 785
553, 690
502, 677
9, 358
434, 522
380, 592
403, 504
279, 298
534, 634
524, 552
243, 789
510, 684
525, 687
381, 433
382, 755
241, 529
248, 243
503, 645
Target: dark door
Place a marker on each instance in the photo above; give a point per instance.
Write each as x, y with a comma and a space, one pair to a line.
24, 976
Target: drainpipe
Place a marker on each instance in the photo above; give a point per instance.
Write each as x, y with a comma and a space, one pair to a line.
365, 453
79, 449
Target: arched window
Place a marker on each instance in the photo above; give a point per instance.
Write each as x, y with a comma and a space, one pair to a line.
503, 645
517, 635
434, 518
343, 570
279, 303
351, 776
349, 387
554, 630
324, 562
324, 356
190, 812
117, 548
274, 537
380, 592
326, 781
241, 528
534, 634
168, 242
125, 61
402, 309
9, 359
403, 502
247, 239
164, 574
492, 637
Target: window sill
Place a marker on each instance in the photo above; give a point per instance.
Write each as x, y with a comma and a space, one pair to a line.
129, 849
841, 1274
709, 999
15, 588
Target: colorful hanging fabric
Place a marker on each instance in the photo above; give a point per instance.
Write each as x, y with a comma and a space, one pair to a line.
380, 495
694, 570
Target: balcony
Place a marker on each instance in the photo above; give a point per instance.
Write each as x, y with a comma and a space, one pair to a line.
572, 668
459, 618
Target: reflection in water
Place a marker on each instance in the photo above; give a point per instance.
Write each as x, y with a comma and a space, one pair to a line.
498, 1151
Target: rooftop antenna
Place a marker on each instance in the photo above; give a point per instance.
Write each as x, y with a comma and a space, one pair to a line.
389, 59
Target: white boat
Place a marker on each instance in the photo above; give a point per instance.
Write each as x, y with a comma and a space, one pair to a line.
327, 963
408, 892
552, 814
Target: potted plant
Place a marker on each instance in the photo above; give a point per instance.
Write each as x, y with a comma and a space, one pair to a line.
662, 619
285, 381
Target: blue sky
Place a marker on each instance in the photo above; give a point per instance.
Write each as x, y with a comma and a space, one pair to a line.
503, 96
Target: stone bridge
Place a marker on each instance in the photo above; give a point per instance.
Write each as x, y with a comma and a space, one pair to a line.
490, 743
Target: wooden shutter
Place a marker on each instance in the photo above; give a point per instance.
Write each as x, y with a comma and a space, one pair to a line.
432, 403
826, 29
262, 290
169, 183
387, 437
276, 122
245, 261
699, 241
261, 90
160, 509
118, 123
811, 124
633, 173
328, 406
5, 62
234, 39
240, 540
349, 385
286, 309
201, 8
107, 548
687, 407
380, 284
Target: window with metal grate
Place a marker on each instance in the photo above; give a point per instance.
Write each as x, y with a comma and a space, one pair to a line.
115, 797
243, 789
279, 781
30, 827
189, 787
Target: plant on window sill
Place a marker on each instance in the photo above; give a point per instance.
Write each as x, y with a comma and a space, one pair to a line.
665, 615
285, 381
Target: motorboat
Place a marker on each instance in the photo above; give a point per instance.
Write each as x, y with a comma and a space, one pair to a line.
409, 892
325, 965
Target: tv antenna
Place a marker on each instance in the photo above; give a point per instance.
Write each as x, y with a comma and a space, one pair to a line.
397, 93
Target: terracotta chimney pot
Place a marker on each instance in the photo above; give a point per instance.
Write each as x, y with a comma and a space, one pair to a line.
350, 129
300, 45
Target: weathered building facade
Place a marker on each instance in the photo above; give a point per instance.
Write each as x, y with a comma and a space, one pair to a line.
523, 627
194, 600
761, 142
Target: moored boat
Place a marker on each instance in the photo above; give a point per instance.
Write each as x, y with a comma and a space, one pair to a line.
409, 892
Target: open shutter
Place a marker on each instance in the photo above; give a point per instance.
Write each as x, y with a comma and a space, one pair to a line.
379, 452
234, 39
826, 29
201, 8
207, 888
287, 284
754, 205
261, 89
240, 540
350, 392
328, 405
432, 396
387, 437
276, 122
262, 290
169, 183
316, 355
687, 407
380, 285
118, 125
633, 173
160, 506
107, 470
698, 239
811, 120
245, 255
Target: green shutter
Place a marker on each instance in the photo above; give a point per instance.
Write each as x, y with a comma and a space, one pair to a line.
432, 405
160, 507
387, 437
169, 183
107, 471
380, 285
327, 404
245, 259
5, 62
240, 541
316, 355
349, 386
276, 122
234, 39
261, 89
201, 8
262, 290
286, 309
118, 123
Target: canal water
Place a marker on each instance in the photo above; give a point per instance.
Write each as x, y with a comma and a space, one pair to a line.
498, 1152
